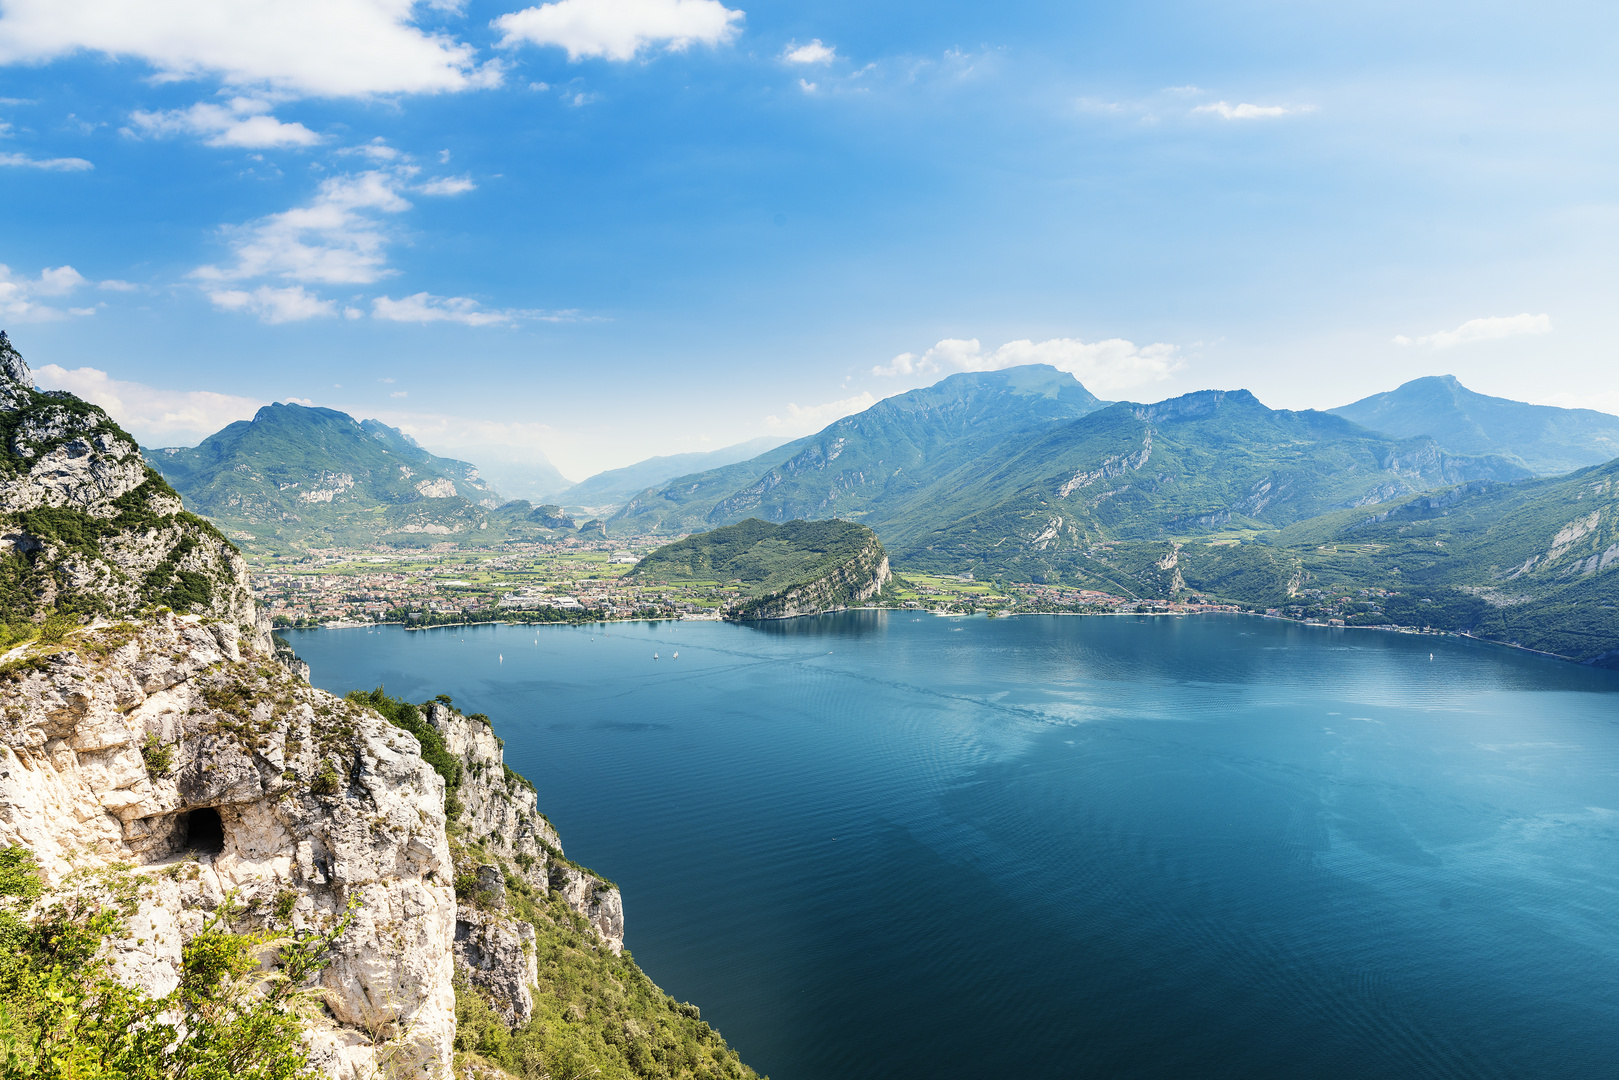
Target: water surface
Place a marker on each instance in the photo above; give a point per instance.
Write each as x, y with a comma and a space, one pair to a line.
880, 845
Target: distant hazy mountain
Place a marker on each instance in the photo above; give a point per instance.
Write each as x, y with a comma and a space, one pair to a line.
533, 477
873, 459
617, 486
1544, 439
299, 476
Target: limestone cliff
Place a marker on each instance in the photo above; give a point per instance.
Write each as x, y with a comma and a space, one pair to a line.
848, 584
206, 770
498, 835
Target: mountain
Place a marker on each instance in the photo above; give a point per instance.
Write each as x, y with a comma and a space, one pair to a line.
886, 453
618, 486
1207, 462
299, 476
1544, 439
89, 529
531, 476
796, 568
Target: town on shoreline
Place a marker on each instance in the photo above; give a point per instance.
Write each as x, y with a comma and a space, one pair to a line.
578, 580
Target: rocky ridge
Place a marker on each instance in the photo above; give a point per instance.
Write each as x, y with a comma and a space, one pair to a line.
851, 583
86, 527
158, 748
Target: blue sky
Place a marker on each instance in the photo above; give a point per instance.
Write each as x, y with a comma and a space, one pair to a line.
604, 229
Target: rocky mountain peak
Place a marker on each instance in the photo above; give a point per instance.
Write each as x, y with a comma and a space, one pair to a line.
12, 366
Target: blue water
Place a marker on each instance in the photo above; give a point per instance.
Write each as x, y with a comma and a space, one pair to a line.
874, 845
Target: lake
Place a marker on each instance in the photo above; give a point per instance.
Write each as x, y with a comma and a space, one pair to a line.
876, 844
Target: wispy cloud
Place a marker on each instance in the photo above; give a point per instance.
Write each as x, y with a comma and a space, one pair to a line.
807, 418
1245, 111
337, 238
155, 417
290, 304
426, 308
619, 29
812, 53
58, 164
327, 48
19, 296
448, 185
1114, 364
242, 122
1487, 329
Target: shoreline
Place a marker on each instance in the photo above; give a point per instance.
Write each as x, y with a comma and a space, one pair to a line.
1390, 629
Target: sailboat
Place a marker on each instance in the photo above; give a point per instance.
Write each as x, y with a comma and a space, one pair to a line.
654, 656
675, 657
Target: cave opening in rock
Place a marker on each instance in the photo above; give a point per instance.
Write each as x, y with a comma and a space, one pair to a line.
204, 832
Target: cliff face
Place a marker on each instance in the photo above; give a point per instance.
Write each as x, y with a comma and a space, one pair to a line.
499, 838
251, 784
86, 526
851, 582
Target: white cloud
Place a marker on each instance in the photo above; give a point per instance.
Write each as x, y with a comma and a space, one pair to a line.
291, 304
449, 185
18, 301
425, 308
1114, 364
1227, 111
114, 285
618, 29
1490, 329
808, 418
335, 239
324, 48
813, 53
55, 164
807, 86
155, 417
400, 393
58, 281
244, 122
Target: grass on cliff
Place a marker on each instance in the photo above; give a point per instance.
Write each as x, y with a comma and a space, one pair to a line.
595, 1015
64, 1017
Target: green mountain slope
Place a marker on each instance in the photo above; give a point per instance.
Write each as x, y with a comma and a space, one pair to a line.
618, 486
297, 476
894, 448
1202, 463
1544, 439
794, 568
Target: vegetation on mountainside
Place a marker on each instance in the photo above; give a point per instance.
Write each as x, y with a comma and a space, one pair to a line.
763, 557
595, 1014
295, 477
44, 571
407, 717
64, 1017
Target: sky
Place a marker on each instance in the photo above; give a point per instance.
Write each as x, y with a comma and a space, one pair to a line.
599, 230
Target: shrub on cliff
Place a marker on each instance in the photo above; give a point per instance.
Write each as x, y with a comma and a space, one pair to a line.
62, 1015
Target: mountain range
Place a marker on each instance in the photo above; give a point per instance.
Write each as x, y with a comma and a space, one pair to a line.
1543, 439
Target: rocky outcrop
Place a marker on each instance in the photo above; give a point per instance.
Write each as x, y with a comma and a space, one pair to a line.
498, 833
87, 527
852, 582
217, 773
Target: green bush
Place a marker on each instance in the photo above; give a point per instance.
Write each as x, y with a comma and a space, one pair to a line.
159, 756
63, 1016
402, 714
